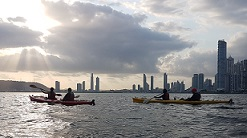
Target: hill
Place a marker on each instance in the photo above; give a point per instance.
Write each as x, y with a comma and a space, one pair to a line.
19, 86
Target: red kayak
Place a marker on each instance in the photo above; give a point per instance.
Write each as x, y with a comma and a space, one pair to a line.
42, 99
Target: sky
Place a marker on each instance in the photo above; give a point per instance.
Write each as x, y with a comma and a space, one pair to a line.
51, 40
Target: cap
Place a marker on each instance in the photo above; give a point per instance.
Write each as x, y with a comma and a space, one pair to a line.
194, 90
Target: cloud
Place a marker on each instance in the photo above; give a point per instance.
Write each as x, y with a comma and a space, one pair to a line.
13, 36
164, 7
17, 19
187, 65
237, 47
231, 12
169, 27
106, 41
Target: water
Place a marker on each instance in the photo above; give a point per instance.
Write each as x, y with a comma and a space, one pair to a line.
115, 115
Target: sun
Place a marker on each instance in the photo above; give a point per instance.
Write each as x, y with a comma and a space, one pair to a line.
32, 10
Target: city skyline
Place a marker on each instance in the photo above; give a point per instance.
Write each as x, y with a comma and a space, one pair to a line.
48, 40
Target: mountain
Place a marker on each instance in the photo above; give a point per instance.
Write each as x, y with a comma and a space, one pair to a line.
19, 86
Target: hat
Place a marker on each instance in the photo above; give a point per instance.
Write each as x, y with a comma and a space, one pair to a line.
194, 90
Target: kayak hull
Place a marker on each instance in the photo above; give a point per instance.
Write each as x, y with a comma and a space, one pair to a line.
42, 99
145, 100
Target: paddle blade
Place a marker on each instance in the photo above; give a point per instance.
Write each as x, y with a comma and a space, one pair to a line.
33, 86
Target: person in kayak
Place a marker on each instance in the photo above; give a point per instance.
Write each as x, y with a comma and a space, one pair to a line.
51, 94
164, 96
70, 95
195, 97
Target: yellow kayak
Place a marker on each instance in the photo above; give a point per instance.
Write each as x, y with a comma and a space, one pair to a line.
145, 100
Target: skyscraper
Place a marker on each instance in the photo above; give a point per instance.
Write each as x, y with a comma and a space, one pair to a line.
57, 86
134, 87
165, 81
221, 65
144, 83
83, 86
78, 87
200, 81
195, 80
92, 84
97, 84
152, 83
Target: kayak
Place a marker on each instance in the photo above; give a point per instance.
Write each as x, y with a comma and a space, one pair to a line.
42, 99
145, 100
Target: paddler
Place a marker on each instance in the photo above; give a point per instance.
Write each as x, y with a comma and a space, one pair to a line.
70, 95
51, 94
164, 96
195, 97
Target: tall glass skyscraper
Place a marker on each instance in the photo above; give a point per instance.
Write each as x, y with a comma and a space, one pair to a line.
165, 82
144, 83
92, 84
57, 86
221, 64
152, 83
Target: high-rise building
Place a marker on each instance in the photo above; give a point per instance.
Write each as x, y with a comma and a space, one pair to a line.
139, 87
208, 84
229, 77
83, 86
97, 84
165, 81
144, 83
152, 83
200, 81
134, 87
57, 86
195, 80
78, 87
221, 64
92, 84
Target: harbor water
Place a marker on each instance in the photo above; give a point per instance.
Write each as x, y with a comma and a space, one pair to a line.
116, 116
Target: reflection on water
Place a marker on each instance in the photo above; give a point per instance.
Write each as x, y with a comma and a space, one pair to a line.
22, 118
115, 115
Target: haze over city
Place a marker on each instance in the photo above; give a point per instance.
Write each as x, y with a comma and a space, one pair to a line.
119, 41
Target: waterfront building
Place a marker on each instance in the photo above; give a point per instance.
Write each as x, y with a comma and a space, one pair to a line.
221, 64
144, 83
229, 77
57, 86
134, 87
195, 80
83, 86
177, 86
165, 86
152, 83
200, 81
97, 84
139, 87
78, 87
208, 85
92, 83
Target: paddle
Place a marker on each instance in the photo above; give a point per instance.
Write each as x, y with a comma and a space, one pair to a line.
43, 90
146, 101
